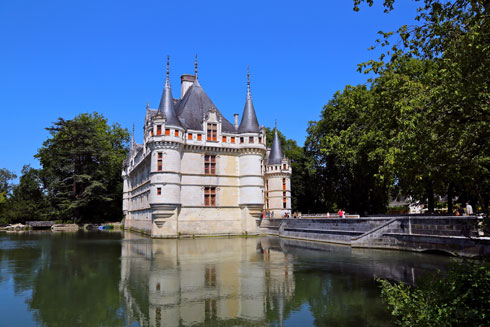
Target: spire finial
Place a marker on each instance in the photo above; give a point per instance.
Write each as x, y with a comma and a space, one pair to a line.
132, 137
275, 124
147, 105
195, 65
248, 78
168, 66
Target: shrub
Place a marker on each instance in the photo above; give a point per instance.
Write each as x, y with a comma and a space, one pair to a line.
458, 297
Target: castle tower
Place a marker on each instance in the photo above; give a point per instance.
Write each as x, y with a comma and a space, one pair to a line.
277, 181
165, 143
251, 158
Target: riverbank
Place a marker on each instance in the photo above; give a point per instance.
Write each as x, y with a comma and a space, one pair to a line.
458, 236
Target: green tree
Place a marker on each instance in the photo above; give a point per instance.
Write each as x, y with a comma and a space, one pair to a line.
28, 201
81, 164
448, 107
6, 177
347, 149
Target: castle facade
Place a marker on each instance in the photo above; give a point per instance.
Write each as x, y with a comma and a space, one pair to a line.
198, 174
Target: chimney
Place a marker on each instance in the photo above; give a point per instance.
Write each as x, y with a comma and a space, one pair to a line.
185, 83
236, 120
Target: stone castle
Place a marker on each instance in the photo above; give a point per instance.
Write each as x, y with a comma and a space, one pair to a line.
198, 174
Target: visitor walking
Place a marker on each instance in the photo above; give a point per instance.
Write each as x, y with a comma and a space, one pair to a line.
469, 209
459, 211
340, 213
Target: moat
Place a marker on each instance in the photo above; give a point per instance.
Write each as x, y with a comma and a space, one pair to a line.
125, 279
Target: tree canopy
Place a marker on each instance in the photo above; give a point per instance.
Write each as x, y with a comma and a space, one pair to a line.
81, 168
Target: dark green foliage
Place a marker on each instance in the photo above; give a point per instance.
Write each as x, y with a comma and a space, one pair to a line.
81, 168
28, 201
6, 177
346, 149
458, 297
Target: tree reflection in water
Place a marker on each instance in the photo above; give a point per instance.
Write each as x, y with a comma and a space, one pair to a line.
114, 279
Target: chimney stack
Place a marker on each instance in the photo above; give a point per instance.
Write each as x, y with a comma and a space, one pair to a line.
236, 120
186, 82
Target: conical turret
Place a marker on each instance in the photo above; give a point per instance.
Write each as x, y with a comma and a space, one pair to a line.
249, 123
166, 107
276, 155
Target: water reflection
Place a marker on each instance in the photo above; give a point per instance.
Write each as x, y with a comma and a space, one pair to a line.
201, 281
64, 279
259, 281
113, 279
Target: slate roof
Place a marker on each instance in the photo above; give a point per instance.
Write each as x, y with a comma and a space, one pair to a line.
249, 123
166, 107
194, 106
275, 155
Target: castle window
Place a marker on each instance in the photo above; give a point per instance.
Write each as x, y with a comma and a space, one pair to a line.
212, 132
210, 276
232, 139
283, 183
224, 139
209, 196
284, 195
250, 139
167, 131
199, 137
189, 136
284, 166
176, 133
260, 139
159, 191
159, 129
209, 165
241, 140
151, 132
284, 204
160, 162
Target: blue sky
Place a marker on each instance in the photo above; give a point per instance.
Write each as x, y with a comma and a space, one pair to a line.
62, 58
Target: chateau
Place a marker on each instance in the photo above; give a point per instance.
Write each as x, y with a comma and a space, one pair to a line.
198, 174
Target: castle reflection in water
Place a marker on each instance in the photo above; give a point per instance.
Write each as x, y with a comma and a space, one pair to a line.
195, 281
258, 281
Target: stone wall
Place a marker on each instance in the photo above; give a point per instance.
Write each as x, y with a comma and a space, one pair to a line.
453, 235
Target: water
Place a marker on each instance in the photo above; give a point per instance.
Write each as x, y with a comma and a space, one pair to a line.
124, 279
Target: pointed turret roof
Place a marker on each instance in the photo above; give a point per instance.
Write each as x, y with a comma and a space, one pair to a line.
275, 155
249, 123
166, 107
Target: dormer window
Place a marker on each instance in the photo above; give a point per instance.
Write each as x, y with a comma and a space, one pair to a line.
167, 131
232, 139
242, 140
224, 139
189, 136
159, 129
176, 133
212, 132
251, 139
260, 139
